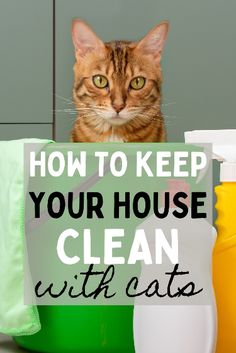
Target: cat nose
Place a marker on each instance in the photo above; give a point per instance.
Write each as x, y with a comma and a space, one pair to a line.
118, 107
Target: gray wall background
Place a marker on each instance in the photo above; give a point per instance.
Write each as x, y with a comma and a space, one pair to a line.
198, 64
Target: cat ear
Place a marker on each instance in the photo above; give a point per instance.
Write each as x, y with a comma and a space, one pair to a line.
84, 38
153, 42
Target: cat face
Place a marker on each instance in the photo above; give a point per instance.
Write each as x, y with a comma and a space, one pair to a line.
119, 81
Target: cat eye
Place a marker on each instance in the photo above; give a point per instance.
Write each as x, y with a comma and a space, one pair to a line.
100, 81
138, 82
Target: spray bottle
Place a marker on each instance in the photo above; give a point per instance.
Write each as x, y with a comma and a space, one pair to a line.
178, 328
224, 255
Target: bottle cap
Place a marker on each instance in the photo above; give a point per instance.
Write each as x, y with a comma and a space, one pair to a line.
228, 172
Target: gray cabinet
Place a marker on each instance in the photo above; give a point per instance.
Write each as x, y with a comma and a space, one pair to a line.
18, 131
25, 68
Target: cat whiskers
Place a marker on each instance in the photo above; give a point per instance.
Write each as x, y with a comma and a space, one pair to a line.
69, 111
78, 110
67, 100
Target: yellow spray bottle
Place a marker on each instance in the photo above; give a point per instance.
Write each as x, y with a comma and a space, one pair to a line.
224, 256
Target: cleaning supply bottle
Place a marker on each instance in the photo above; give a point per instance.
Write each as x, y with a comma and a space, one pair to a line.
179, 328
224, 256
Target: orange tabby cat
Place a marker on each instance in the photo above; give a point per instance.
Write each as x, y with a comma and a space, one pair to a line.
117, 88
